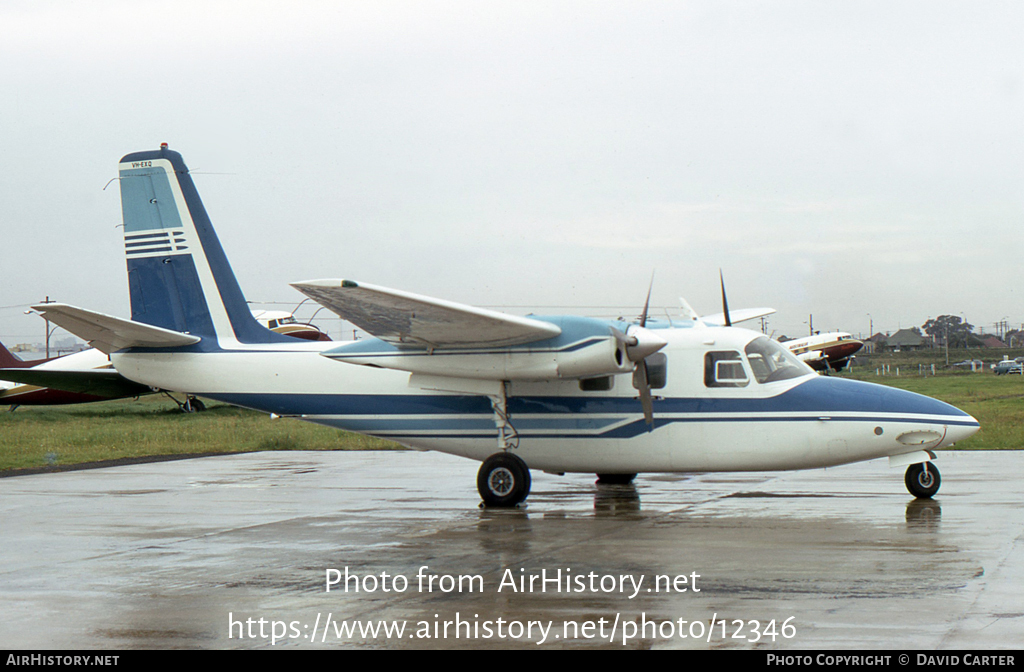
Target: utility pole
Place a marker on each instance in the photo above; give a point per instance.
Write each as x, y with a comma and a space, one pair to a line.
48, 329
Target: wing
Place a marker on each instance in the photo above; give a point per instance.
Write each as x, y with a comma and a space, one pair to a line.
97, 382
736, 316
411, 320
107, 333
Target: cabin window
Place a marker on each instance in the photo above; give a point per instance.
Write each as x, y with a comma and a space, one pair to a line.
602, 384
771, 362
724, 369
657, 371
272, 324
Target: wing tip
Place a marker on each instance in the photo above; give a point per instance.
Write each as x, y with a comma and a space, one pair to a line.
330, 283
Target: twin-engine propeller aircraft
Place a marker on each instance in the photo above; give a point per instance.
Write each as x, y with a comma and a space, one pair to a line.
822, 352
556, 393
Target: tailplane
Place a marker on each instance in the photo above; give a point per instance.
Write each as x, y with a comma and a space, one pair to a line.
178, 275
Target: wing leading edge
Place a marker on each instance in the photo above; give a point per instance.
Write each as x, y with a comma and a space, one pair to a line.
413, 321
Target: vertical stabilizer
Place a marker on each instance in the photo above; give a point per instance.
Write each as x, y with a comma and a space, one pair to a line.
8, 360
178, 275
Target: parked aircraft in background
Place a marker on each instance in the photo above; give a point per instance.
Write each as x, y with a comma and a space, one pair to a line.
285, 323
558, 393
88, 376
78, 378
821, 352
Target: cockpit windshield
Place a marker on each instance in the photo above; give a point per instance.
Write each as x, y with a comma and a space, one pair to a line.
771, 362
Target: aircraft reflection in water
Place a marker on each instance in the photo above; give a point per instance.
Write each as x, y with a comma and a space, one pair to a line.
557, 393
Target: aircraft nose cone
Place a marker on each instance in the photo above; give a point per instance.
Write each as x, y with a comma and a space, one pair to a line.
891, 403
959, 432
959, 425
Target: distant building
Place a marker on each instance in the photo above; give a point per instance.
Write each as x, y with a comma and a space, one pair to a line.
992, 342
875, 343
905, 339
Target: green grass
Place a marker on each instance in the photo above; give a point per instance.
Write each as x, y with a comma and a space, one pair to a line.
42, 436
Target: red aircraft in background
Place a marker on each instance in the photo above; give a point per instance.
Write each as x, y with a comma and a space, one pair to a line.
825, 351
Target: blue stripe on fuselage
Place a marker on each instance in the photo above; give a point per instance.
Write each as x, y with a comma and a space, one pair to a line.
859, 402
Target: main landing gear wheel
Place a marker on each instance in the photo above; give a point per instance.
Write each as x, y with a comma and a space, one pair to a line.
503, 480
615, 479
193, 405
923, 480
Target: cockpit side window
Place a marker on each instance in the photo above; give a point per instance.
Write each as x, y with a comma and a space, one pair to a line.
771, 362
724, 369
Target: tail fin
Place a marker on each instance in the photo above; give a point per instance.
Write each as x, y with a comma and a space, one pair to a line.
178, 275
9, 360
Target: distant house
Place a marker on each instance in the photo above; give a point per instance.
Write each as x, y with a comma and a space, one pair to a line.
992, 342
875, 343
906, 339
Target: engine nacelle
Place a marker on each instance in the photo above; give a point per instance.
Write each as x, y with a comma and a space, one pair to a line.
587, 358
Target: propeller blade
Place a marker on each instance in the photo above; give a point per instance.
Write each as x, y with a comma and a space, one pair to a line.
725, 303
644, 343
645, 392
647, 303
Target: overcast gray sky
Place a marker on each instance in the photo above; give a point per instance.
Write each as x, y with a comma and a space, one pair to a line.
840, 159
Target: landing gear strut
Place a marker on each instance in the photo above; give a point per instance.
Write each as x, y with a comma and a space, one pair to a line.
191, 404
923, 480
503, 480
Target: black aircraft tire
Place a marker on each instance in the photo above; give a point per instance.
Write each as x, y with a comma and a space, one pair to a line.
193, 405
923, 484
503, 480
615, 479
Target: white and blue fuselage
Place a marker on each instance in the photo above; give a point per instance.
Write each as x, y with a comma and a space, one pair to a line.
801, 422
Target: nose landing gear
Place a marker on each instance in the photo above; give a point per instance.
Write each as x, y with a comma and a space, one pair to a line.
922, 480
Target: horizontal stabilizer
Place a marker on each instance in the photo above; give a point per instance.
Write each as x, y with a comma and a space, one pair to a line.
107, 333
97, 382
411, 320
